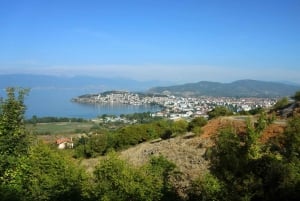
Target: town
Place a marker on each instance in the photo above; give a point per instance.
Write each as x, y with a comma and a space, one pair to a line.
174, 107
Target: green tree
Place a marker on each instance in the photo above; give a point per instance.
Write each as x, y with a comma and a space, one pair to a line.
179, 126
14, 139
281, 103
207, 188
166, 172
238, 160
45, 175
219, 111
297, 96
292, 139
13, 135
116, 180
196, 124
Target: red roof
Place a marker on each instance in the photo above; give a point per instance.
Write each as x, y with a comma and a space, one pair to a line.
63, 140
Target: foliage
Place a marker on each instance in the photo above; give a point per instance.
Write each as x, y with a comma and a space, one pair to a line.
282, 103
167, 172
179, 126
34, 119
14, 139
144, 117
46, 175
219, 111
242, 168
254, 111
292, 139
196, 124
127, 136
207, 187
116, 180
13, 136
297, 96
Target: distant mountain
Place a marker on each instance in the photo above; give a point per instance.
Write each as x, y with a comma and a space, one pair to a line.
80, 82
240, 88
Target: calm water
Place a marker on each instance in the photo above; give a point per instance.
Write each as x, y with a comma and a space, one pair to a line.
56, 102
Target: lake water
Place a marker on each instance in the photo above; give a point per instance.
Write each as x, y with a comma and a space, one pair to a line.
57, 103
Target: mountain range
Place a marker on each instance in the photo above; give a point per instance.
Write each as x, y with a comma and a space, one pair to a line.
240, 88
76, 82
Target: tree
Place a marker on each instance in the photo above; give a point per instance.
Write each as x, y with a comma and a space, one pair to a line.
292, 139
45, 175
240, 161
179, 126
280, 104
14, 139
297, 96
166, 172
207, 188
117, 180
13, 135
219, 111
196, 124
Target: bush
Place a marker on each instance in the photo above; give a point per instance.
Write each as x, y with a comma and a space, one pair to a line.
219, 111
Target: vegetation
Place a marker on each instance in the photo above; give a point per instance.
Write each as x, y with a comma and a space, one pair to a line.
254, 111
144, 117
34, 119
196, 124
219, 111
282, 103
242, 167
297, 96
65, 128
126, 136
241, 88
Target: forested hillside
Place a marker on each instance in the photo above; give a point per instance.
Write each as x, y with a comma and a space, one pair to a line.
240, 88
242, 163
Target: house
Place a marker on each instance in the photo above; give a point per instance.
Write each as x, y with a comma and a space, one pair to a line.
64, 143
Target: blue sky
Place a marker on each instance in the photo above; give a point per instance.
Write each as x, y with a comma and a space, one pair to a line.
175, 40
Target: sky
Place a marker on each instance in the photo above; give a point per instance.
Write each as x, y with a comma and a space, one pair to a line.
169, 40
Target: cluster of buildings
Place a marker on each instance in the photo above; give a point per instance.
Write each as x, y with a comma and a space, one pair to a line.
177, 107
180, 107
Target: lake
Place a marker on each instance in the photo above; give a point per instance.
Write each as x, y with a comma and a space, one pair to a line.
57, 103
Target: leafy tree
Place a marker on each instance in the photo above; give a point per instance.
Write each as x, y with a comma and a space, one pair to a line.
13, 135
297, 96
196, 124
238, 160
46, 175
219, 111
116, 180
14, 139
167, 172
207, 187
280, 104
179, 126
292, 139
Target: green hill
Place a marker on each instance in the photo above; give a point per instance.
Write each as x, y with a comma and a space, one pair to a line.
240, 88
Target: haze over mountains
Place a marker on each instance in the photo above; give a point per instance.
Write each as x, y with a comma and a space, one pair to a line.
240, 88
80, 82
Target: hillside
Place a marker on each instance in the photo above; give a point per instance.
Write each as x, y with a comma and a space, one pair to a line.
241, 88
188, 151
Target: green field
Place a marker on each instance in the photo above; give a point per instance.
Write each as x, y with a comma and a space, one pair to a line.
60, 127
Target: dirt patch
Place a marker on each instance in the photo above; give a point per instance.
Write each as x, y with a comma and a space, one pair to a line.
187, 151
272, 131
